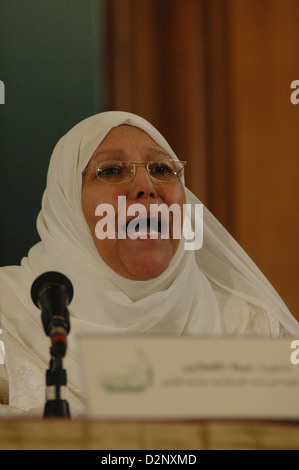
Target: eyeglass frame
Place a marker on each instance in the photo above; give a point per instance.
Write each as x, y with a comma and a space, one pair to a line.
146, 164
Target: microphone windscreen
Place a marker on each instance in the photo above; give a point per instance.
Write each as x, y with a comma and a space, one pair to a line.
50, 278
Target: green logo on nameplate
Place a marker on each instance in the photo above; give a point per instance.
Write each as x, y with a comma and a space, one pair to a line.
136, 376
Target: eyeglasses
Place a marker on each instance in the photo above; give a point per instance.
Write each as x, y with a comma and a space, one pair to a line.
116, 172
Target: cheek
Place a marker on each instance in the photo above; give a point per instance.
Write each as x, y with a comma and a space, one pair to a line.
91, 199
179, 198
182, 194
176, 196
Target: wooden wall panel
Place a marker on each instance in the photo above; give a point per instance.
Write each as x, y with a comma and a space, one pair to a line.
156, 69
214, 76
264, 45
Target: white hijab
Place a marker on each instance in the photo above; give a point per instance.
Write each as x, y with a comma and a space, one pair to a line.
202, 292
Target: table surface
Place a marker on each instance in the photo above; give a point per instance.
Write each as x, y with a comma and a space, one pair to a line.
82, 434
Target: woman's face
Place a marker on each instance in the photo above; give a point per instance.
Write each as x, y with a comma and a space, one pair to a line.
139, 259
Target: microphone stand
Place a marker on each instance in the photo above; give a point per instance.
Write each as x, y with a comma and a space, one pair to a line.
56, 380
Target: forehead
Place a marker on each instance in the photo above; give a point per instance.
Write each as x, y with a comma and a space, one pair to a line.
120, 141
125, 131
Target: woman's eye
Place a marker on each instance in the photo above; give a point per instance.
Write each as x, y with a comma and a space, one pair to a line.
110, 171
161, 168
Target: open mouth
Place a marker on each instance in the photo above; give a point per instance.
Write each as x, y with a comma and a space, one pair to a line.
144, 228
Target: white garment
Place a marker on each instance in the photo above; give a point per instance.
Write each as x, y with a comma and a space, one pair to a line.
216, 290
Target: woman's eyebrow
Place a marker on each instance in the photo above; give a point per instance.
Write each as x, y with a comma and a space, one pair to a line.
120, 152
160, 152
99, 153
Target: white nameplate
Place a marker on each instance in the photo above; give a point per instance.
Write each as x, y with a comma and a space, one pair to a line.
190, 378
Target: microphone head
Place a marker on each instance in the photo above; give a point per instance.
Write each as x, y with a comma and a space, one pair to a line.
51, 278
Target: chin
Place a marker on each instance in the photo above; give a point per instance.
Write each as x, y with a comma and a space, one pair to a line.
146, 269
138, 260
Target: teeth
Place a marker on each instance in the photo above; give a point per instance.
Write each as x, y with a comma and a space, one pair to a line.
150, 228
144, 234
149, 233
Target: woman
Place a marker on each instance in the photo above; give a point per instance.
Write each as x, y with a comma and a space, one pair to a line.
123, 286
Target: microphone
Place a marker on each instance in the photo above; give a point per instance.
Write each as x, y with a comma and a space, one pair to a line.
51, 292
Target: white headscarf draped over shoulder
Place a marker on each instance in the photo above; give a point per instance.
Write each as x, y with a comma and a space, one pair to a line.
204, 292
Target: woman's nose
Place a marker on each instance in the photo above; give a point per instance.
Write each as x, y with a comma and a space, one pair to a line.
142, 186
